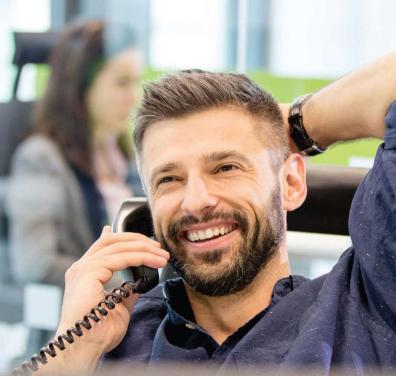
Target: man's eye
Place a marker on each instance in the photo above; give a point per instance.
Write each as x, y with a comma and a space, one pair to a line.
226, 167
166, 179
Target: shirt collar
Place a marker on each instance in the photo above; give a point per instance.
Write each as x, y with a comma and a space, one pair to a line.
179, 307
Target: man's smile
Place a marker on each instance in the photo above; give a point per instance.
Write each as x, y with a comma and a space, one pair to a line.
209, 235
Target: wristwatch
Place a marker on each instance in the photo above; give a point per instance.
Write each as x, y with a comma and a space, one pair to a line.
298, 133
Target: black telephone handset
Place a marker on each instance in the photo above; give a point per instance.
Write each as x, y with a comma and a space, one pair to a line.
133, 216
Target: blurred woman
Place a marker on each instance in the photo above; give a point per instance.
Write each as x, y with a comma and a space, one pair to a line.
71, 174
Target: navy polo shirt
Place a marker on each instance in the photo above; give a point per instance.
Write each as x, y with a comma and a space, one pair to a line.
344, 319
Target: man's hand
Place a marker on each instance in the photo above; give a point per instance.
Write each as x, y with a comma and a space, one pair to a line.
84, 289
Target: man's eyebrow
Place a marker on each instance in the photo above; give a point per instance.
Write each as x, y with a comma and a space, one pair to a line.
219, 156
161, 170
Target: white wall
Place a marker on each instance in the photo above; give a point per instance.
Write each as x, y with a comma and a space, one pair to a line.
188, 34
327, 38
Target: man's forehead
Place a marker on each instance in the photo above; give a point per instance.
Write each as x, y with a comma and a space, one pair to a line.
220, 124
184, 140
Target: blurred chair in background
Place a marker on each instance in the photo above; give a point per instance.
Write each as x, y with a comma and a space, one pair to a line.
70, 174
30, 48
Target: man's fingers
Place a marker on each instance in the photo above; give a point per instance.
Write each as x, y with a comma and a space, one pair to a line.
106, 230
131, 246
130, 259
108, 238
102, 268
114, 263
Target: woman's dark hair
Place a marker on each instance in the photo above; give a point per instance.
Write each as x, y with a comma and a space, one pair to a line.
77, 57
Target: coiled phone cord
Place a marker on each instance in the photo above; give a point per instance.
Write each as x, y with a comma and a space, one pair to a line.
110, 301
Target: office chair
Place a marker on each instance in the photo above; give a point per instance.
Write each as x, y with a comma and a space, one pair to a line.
30, 48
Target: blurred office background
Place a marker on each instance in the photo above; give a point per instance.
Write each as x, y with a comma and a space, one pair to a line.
290, 47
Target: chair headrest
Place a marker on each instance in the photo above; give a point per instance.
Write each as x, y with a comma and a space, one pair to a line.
330, 193
33, 48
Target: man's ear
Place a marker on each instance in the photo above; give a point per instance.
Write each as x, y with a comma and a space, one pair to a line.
294, 182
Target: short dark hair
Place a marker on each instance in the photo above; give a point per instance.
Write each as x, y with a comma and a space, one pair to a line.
192, 91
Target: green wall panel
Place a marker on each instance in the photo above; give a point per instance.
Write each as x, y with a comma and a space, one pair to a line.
284, 89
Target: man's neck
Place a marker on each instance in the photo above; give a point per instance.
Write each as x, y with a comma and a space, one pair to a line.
222, 316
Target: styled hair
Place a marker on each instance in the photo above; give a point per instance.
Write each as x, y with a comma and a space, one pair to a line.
192, 91
79, 54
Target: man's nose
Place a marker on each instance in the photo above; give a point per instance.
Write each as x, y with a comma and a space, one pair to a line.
197, 197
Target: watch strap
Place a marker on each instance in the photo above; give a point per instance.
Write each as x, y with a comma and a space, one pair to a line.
298, 133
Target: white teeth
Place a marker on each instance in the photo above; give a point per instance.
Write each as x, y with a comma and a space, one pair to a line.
208, 233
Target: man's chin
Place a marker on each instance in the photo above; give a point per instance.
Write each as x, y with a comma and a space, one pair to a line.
209, 283
198, 273
214, 257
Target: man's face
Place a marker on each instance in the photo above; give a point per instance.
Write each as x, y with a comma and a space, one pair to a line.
214, 198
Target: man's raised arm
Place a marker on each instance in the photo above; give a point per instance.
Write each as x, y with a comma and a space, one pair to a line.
362, 104
352, 107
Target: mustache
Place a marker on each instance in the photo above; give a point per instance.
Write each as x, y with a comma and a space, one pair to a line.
237, 216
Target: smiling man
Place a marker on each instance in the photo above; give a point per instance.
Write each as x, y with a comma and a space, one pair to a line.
220, 177
215, 196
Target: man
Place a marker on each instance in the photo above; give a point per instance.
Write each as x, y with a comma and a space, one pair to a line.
219, 175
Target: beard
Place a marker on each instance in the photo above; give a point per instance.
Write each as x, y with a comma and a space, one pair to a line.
261, 237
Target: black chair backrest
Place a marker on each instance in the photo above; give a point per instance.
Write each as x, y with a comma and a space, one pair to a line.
15, 122
329, 198
15, 115
31, 48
